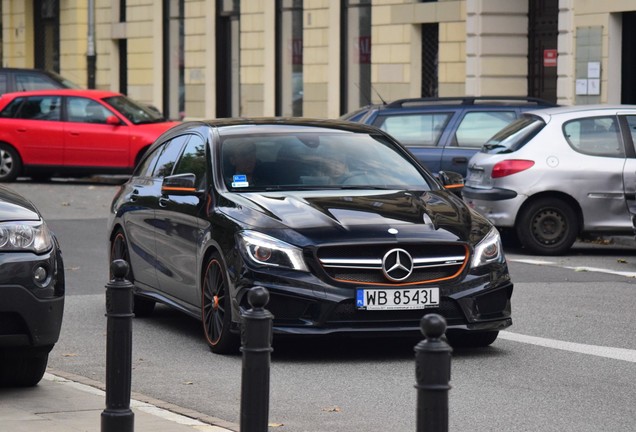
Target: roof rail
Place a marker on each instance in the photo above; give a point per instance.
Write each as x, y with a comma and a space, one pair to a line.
468, 100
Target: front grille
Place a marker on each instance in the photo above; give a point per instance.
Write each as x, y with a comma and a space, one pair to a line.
364, 264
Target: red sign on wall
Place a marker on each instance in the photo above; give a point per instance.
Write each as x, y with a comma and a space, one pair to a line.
363, 47
549, 58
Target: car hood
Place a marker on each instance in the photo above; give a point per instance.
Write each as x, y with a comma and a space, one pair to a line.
15, 207
323, 217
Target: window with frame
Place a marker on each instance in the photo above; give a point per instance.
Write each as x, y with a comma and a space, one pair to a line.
595, 136
34, 108
193, 160
169, 156
415, 129
477, 127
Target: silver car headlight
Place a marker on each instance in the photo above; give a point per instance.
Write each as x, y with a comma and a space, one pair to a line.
488, 250
264, 250
31, 236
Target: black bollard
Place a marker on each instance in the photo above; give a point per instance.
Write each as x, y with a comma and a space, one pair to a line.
118, 417
432, 371
256, 345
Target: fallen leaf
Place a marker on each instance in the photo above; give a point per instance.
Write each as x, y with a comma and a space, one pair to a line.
188, 382
66, 204
579, 269
69, 355
275, 424
332, 409
622, 260
71, 268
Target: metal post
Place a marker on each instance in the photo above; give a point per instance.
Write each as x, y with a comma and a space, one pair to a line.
432, 371
256, 342
118, 417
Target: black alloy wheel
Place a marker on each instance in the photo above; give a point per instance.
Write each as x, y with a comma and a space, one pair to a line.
10, 163
548, 226
142, 306
216, 308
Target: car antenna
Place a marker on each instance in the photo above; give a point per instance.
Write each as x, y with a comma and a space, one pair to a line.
369, 101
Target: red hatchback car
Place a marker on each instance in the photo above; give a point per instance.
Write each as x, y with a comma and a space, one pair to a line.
73, 132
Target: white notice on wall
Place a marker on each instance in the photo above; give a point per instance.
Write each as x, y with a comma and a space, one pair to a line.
581, 86
594, 87
593, 69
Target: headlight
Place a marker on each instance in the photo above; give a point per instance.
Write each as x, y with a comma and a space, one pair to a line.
25, 236
264, 250
488, 250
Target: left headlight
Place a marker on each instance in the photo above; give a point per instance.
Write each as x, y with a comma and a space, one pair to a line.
488, 250
25, 236
264, 250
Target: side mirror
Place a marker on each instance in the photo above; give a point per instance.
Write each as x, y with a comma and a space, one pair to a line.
452, 181
179, 184
112, 120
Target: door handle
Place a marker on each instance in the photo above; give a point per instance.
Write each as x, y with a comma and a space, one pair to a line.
460, 160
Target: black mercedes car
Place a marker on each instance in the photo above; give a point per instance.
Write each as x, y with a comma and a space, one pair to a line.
31, 291
348, 233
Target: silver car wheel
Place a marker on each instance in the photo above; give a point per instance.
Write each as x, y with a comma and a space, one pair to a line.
547, 226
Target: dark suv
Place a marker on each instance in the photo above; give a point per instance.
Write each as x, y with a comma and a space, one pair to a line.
16, 79
443, 133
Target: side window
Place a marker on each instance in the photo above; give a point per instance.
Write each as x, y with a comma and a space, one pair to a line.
28, 81
83, 110
40, 108
193, 160
146, 168
4, 82
415, 129
478, 127
595, 136
11, 110
631, 123
169, 156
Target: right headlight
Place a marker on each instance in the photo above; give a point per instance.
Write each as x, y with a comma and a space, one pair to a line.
263, 250
488, 250
31, 236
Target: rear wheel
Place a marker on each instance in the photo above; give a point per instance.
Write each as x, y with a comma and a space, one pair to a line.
547, 227
142, 306
23, 368
472, 339
10, 163
216, 305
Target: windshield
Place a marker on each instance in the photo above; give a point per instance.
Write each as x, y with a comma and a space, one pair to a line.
515, 135
317, 160
134, 111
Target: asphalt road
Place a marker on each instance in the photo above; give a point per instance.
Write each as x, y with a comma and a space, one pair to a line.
568, 363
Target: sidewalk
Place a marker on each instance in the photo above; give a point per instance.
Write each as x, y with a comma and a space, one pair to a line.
63, 402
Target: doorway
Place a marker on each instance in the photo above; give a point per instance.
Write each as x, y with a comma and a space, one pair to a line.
543, 31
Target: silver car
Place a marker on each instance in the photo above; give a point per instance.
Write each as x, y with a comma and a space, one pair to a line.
557, 174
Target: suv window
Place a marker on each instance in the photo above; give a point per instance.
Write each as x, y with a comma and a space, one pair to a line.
596, 136
477, 127
30, 81
415, 129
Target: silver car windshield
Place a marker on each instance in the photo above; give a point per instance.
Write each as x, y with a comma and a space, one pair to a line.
515, 135
316, 160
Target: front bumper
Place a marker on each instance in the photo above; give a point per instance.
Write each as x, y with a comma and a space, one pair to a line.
301, 306
30, 314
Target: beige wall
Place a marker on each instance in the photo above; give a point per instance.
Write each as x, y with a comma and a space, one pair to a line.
17, 33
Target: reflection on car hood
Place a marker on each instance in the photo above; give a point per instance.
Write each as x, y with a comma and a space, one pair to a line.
325, 217
15, 207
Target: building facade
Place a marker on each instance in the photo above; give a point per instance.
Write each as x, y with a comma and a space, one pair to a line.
322, 58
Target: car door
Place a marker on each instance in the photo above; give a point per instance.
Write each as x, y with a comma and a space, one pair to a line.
139, 214
178, 228
33, 126
421, 132
628, 129
89, 141
467, 136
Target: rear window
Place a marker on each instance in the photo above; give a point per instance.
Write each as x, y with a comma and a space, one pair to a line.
515, 135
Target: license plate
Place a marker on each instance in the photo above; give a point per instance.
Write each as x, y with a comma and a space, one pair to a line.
395, 299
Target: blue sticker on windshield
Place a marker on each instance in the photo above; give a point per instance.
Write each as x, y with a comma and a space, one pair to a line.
239, 180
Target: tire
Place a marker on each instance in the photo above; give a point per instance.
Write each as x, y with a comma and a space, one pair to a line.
216, 308
23, 368
471, 339
547, 227
10, 163
142, 306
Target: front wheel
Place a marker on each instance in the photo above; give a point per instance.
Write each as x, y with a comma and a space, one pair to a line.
547, 227
216, 308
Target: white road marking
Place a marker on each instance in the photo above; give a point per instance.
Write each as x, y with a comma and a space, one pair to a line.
578, 269
600, 351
